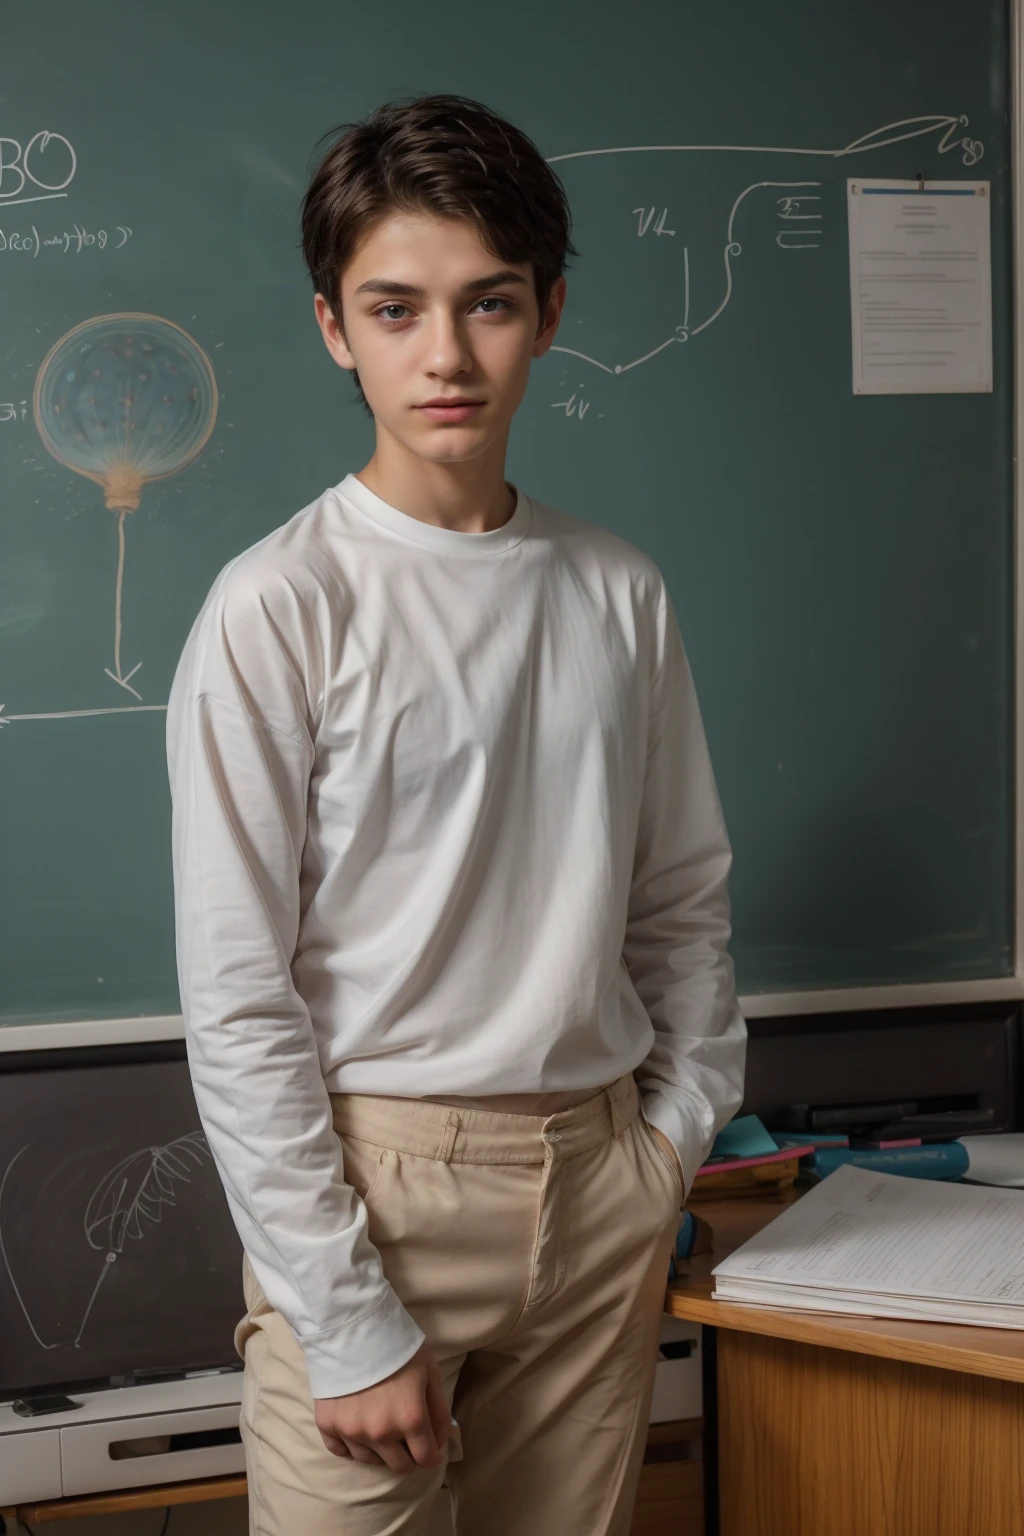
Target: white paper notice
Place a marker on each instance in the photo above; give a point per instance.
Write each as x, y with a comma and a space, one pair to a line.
920, 286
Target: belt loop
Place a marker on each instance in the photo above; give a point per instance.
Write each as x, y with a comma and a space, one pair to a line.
447, 1142
620, 1103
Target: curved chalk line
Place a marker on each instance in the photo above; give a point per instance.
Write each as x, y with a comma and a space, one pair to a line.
880, 138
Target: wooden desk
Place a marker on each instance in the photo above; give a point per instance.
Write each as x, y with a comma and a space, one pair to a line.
854, 1426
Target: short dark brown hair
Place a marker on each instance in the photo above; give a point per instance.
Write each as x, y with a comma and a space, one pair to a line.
443, 154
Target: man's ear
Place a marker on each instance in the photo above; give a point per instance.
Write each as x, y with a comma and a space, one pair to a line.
551, 317
332, 333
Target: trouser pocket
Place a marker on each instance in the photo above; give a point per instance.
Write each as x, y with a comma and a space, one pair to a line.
669, 1164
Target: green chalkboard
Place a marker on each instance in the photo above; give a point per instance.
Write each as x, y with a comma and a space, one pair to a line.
841, 566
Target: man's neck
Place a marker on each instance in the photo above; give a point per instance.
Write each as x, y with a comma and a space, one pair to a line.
466, 498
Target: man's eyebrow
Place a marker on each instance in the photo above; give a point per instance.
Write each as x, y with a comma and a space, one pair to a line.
478, 284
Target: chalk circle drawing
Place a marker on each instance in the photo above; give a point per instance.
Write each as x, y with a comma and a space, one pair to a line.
131, 1194
125, 399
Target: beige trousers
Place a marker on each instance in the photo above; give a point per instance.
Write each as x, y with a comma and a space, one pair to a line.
533, 1252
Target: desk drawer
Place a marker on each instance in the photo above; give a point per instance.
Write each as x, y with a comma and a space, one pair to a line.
131, 1453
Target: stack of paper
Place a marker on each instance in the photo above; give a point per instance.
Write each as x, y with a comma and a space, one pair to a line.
995, 1159
884, 1246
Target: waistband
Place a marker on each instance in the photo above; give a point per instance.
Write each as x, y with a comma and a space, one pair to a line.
453, 1135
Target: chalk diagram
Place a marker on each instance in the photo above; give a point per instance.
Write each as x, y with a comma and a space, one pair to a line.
801, 221
146, 432
125, 399
128, 1198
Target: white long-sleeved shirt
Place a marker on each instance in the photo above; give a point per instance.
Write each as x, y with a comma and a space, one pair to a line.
444, 822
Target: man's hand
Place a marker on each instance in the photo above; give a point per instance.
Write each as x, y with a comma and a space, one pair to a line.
401, 1422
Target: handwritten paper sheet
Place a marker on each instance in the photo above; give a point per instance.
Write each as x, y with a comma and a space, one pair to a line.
920, 286
885, 1245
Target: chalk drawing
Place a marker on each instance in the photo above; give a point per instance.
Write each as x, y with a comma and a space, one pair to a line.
83, 714
38, 171
125, 399
128, 1199
71, 241
899, 132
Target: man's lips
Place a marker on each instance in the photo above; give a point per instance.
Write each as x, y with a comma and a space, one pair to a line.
451, 410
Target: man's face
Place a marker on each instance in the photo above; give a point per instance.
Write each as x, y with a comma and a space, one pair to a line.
428, 313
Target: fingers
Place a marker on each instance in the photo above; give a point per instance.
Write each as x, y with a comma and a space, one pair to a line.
437, 1408
424, 1448
401, 1422
388, 1453
400, 1455
334, 1444
418, 1429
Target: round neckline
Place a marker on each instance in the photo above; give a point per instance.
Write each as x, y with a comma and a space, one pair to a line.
494, 541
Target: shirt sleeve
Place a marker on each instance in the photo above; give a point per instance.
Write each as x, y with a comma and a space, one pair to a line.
240, 734
678, 920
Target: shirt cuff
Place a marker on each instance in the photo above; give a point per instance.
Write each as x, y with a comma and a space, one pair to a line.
362, 1352
687, 1126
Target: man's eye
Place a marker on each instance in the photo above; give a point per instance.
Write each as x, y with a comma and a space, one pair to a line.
386, 310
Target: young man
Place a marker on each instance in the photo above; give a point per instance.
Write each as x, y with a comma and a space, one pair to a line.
452, 916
